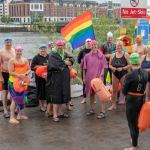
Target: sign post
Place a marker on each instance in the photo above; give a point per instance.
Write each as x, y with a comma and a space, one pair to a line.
133, 9
143, 30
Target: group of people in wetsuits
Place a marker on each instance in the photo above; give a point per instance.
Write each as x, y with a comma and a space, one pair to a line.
54, 90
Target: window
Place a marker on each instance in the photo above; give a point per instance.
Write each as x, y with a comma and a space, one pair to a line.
40, 6
36, 6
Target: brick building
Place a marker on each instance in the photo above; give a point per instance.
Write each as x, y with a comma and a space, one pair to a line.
27, 11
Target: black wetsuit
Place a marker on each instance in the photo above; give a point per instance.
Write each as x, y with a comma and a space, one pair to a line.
134, 89
119, 63
81, 55
108, 48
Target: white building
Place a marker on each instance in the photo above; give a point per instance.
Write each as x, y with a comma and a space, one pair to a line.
1, 9
4, 7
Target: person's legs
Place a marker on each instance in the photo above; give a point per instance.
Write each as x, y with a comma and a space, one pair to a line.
92, 100
49, 110
55, 112
5, 93
84, 95
148, 92
41, 105
133, 107
115, 83
102, 114
4, 101
105, 75
12, 113
122, 97
20, 115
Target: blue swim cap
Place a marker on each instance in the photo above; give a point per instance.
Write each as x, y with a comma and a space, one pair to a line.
7, 38
42, 46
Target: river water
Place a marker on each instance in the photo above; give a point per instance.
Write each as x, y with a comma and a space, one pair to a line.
30, 41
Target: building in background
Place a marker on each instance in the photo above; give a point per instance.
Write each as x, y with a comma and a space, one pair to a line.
4, 7
112, 7
29, 11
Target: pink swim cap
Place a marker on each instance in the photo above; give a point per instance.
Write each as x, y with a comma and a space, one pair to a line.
18, 48
60, 43
93, 42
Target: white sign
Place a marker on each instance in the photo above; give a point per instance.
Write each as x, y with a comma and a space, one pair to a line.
133, 9
134, 3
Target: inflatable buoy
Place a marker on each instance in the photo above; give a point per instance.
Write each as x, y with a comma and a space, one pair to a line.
41, 71
1, 86
73, 73
144, 117
119, 87
21, 85
100, 89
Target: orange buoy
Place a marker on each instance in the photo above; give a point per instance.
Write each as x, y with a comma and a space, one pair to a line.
73, 73
119, 87
144, 117
100, 89
21, 85
41, 71
1, 86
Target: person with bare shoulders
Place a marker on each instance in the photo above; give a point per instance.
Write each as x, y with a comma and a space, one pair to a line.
145, 64
119, 64
18, 70
139, 47
6, 54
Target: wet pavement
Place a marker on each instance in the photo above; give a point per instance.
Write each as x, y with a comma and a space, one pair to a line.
77, 133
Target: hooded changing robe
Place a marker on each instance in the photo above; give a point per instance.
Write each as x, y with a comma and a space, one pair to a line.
58, 79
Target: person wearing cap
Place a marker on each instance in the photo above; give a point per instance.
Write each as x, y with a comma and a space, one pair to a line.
6, 54
41, 59
145, 64
134, 91
97, 59
58, 80
80, 57
51, 45
18, 68
119, 64
139, 47
108, 48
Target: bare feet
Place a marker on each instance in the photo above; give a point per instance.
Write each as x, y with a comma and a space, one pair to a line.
14, 121
83, 101
70, 108
22, 117
112, 107
131, 148
121, 102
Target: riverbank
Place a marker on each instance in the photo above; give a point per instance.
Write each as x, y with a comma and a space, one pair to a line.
27, 28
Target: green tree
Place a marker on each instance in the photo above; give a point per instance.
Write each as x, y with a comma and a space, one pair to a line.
102, 26
46, 28
5, 19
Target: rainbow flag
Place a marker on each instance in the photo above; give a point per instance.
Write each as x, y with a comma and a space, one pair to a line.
79, 29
